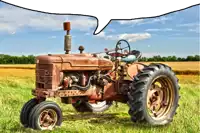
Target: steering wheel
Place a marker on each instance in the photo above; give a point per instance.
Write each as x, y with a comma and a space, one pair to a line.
119, 50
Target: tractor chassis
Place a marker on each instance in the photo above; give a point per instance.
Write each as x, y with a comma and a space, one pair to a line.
47, 93
110, 93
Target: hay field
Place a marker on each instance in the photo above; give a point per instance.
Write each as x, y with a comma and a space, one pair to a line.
17, 66
180, 68
15, 90
13, 72
193, 65
182, 65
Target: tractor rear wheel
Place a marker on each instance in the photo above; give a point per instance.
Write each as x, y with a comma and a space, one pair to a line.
154, 95
45, 116
24, 114
82, 106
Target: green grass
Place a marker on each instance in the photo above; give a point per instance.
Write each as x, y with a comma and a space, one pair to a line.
15, 91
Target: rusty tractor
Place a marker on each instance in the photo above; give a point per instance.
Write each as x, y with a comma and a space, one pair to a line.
91, 83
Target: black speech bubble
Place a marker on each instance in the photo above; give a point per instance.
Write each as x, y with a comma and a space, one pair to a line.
105, 14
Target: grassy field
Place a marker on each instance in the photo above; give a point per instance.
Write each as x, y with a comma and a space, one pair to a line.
15, 90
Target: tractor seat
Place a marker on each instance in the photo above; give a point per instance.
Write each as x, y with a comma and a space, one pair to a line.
133, 56
136, 53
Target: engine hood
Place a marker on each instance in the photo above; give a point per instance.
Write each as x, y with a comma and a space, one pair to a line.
75, 61
59, 58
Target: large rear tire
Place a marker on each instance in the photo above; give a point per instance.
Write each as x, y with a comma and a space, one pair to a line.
81, 106
154, 95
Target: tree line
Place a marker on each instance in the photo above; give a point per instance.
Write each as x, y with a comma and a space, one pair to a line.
8, 59
166, 58
30, 59
172, 58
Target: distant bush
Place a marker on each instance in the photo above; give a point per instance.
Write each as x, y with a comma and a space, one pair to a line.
8, 59
171, 58
30, 59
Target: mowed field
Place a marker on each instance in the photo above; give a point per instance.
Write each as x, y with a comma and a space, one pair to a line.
15, 90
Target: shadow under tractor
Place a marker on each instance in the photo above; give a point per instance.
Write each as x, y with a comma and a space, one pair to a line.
92, 83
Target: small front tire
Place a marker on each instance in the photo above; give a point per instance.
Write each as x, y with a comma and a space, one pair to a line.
45, 116
25, 111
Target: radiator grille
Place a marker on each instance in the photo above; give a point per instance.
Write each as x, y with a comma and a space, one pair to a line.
44, 76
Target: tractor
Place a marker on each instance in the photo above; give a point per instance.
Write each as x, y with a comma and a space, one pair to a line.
92, 83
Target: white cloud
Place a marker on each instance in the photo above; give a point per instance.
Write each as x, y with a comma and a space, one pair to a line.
164, 29
53, 37
177, 34
136, 21
161, 19
13, 19
194, 30
12, 32
111, 30
102, 34
87, 34
189, 24
134, 37
192, 27
129, 37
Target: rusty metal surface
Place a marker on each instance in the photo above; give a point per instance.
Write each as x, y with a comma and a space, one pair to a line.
66, 26
48, 119
48, 68
76, 62
59, 93
94, 93
47, 76
160, 97
134, 68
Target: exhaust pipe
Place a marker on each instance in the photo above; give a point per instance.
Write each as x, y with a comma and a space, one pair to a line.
68, 38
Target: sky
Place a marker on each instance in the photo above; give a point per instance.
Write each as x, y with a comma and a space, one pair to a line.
24, 32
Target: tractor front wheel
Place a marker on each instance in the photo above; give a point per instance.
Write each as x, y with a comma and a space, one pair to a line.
154, 95
24, 114
45, 116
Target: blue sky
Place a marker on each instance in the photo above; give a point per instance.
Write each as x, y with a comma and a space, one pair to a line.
24, 32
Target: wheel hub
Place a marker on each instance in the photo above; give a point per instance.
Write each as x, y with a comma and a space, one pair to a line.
48, 119
155, 97
158, 98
